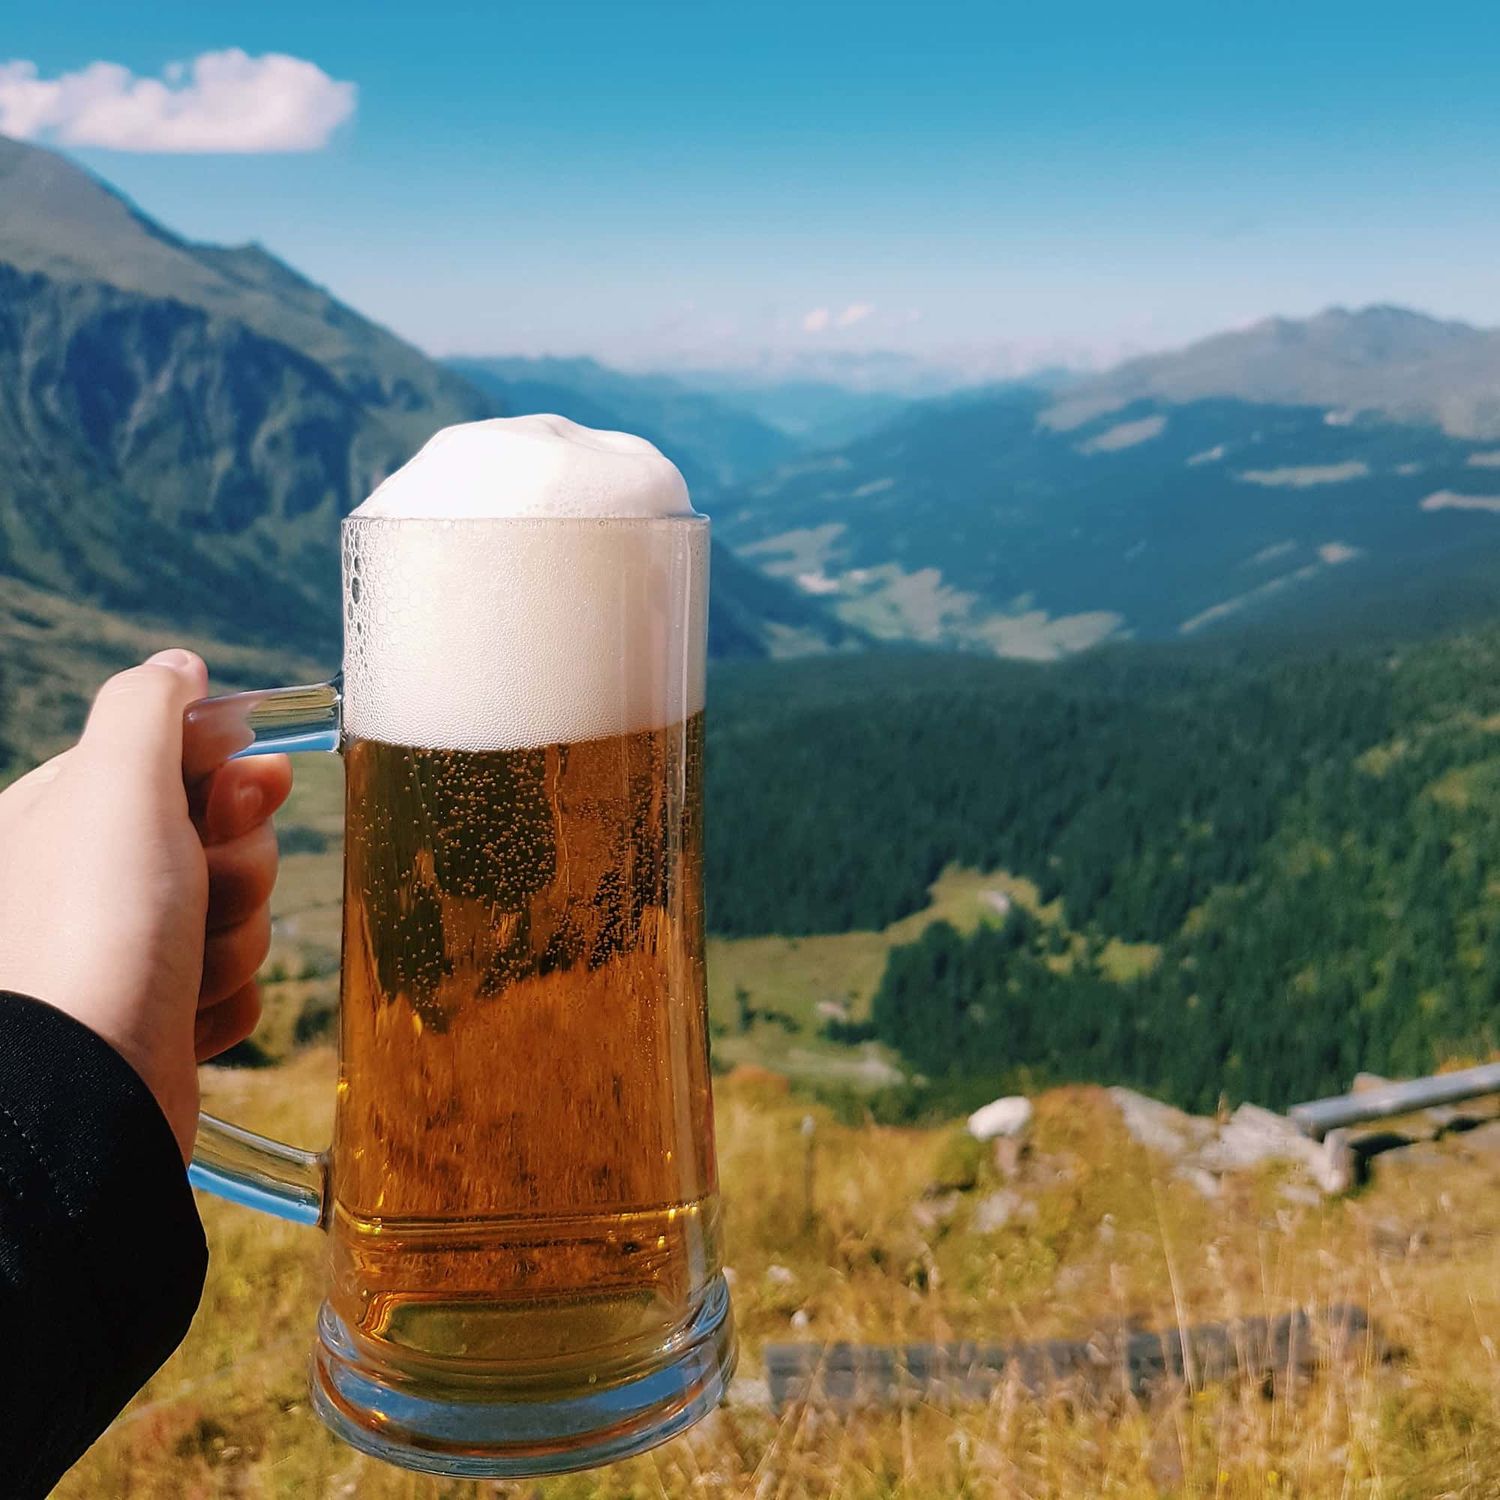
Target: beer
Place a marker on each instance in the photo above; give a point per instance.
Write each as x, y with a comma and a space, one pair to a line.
523, 1164
522, 1200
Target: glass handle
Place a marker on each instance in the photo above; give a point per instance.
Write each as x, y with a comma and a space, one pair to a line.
254, 1170
229, 1161
264, 722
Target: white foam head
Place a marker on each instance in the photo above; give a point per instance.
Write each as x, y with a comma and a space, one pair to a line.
532, 466
503, 590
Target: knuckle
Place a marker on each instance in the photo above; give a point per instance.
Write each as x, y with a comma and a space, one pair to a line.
253, 851
239, 1018
246, 944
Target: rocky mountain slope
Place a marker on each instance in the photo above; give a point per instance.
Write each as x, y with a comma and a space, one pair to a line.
183, 426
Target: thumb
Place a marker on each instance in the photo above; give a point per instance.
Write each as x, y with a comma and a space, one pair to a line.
136, 720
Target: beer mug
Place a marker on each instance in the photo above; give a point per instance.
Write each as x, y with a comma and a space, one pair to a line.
521, 1195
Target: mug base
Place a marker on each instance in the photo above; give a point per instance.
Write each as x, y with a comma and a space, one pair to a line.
499, 1439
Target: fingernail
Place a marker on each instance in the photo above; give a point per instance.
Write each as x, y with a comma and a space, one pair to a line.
177, 659
248, 803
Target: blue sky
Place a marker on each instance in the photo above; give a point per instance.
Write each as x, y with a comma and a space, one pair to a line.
993, 185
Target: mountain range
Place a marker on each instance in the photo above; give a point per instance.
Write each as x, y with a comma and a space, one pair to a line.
821, 403
183, 426
1386, 360
1231, 482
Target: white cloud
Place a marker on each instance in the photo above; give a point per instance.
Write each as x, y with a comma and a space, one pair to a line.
821, 319
221, 101
1334, 553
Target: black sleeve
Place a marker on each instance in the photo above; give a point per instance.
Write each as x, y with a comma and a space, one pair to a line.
102, 1256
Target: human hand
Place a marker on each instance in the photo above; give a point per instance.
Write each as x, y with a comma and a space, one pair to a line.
134, 901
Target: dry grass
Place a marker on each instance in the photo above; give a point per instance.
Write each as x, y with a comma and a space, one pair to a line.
1104, 1223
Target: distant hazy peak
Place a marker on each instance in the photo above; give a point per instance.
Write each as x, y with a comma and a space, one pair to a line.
537, 366
1389, 315
1381, 358
1381, 329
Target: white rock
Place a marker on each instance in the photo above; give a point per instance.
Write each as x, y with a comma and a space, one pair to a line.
779, 1276
1002, 1117
1254, 1135
1205, 1151
800, 1318
1159, 1126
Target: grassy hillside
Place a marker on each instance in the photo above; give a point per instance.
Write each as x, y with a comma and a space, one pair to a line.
55, 651
1103, 1234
